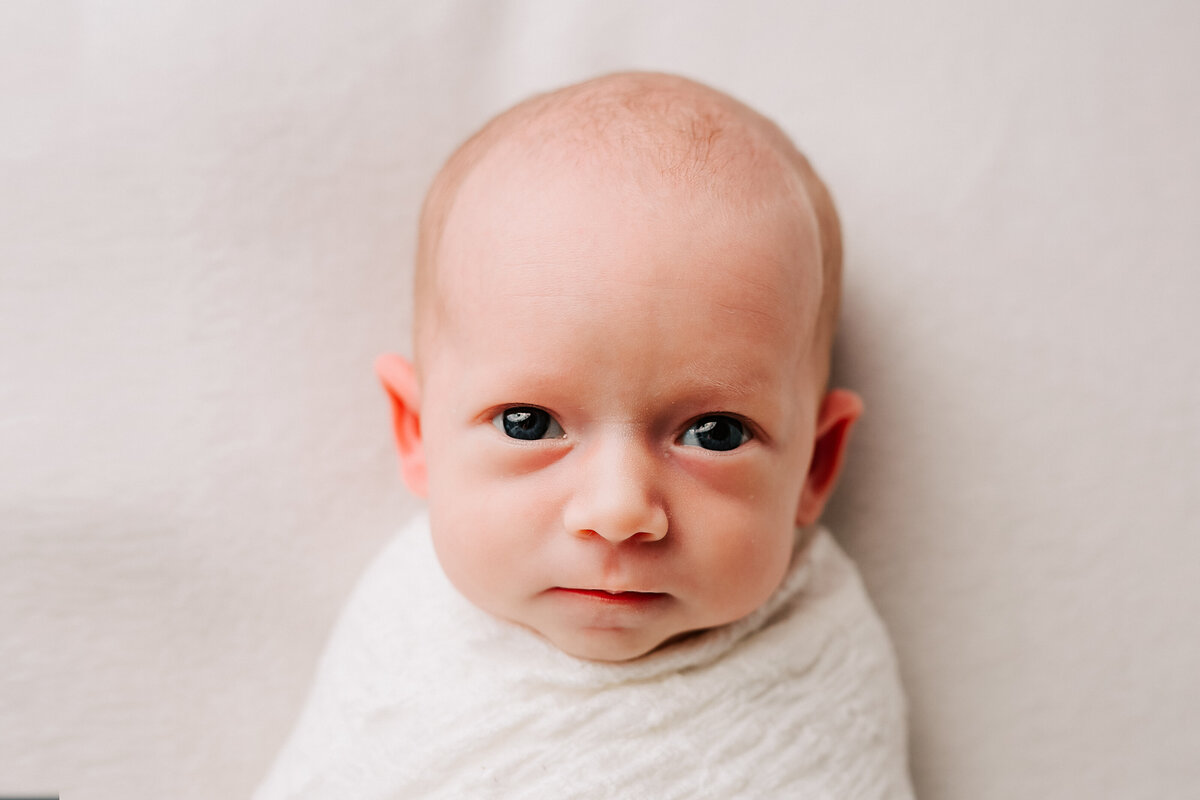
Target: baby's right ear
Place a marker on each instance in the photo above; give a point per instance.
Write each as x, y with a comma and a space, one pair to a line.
399, 379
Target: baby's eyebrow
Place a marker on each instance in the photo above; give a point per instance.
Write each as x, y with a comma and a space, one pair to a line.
715, 385
703, 383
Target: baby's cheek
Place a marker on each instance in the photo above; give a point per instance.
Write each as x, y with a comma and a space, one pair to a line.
497, 526
738, 547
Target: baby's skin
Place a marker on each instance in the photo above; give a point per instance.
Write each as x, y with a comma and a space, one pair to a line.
618, 412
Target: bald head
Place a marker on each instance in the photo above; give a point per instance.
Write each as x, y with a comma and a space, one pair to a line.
654, 133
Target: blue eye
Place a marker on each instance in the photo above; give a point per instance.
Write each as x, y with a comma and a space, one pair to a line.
526, 422
717, 432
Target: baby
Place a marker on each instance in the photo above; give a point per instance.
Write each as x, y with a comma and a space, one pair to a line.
626, 294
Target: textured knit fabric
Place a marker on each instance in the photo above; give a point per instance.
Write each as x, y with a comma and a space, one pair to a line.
420, 694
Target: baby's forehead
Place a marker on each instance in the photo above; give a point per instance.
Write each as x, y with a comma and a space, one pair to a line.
539, 233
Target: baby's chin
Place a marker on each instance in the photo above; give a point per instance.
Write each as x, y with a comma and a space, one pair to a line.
612, 646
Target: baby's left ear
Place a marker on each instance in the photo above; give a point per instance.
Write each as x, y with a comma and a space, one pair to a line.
840, 409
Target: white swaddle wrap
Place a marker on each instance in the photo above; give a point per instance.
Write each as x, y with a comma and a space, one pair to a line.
420, 694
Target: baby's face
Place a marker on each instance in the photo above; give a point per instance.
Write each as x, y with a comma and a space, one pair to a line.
617, 413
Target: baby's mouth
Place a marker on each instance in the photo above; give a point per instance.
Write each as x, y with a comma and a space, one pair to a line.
614, 595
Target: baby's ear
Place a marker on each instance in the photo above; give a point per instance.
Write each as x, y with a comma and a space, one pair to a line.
840, 409
400, 382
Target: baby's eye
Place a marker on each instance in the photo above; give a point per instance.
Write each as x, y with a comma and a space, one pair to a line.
526, 422
717, 432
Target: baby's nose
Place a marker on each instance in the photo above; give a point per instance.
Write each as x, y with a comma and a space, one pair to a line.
618, 496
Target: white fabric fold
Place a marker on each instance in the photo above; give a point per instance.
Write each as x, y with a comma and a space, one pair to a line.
420, 694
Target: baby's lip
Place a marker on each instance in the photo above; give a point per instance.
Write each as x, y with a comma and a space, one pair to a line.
615, 595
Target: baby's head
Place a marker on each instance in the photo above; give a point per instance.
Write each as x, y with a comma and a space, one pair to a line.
625, 300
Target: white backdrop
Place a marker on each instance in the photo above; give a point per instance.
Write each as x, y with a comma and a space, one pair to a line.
206, 220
